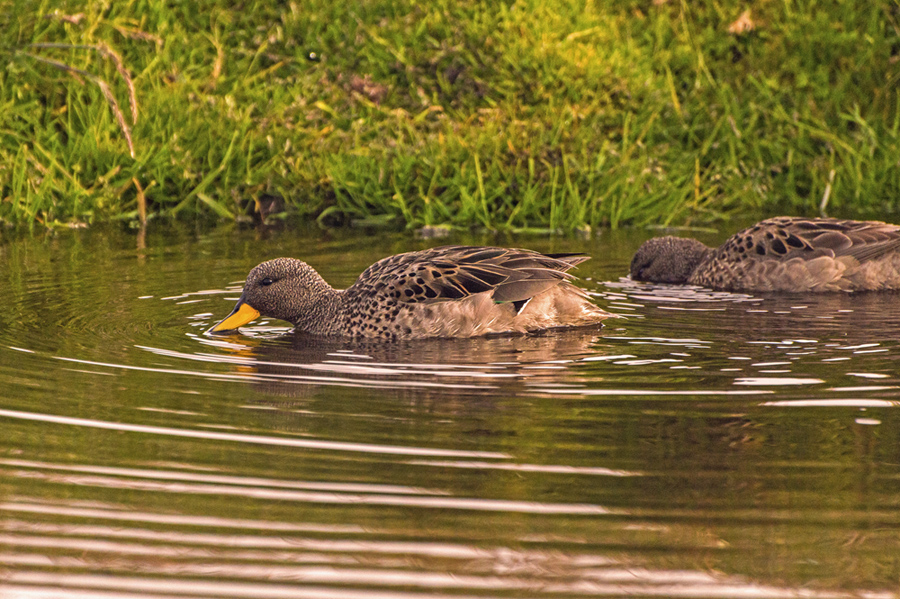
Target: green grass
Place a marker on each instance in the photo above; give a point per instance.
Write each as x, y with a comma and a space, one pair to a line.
549, 114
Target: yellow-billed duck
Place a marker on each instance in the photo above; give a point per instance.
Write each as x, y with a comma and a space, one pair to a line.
780, 254
451, 291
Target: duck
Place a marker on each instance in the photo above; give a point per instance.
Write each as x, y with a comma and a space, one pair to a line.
448, 291
781, 254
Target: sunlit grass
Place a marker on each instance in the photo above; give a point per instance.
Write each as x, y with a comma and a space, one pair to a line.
547, 115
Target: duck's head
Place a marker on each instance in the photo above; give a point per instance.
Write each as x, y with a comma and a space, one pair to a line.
282, 288
667, 259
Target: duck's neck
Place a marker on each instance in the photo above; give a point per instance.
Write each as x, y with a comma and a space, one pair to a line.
326, 316
695, 256
702, 257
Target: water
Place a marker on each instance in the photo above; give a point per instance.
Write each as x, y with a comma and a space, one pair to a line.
708, 445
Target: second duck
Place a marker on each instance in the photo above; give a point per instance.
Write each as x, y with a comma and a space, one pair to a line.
780, 254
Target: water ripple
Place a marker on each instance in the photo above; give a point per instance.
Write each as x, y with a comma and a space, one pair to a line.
255, 439
224, 479
306, 583
372, 499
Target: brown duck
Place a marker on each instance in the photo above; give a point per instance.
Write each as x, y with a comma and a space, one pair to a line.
780, 254
452, 291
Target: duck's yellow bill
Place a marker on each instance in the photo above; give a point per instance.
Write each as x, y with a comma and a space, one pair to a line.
241, 315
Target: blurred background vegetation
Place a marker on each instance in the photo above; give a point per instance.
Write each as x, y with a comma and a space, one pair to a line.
510, 115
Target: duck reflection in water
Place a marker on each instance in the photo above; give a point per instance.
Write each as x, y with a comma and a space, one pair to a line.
299, 365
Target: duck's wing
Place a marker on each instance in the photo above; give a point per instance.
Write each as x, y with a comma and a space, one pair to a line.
455, 272
784, 238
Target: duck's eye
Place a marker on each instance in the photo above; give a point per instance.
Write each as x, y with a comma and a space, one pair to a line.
266, 282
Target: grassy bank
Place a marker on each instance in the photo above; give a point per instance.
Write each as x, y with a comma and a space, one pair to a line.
527, 114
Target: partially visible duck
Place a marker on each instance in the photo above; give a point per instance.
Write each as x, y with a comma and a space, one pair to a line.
780, 254
451, 291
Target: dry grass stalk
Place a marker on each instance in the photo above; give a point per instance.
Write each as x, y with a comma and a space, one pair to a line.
137, 34
141, 202
107, 93
219, 63
109, 53
103, 85
73, 19
123, 73
743, 24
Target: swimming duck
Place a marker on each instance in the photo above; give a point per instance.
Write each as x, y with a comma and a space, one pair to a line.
451, 291
780, 254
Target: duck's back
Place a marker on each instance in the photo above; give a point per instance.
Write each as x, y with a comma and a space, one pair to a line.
801, 254
464, 291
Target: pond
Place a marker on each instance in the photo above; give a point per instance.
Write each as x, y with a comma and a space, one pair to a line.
706, 445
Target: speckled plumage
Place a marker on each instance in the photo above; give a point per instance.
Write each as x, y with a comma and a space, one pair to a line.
781, 254
451, 291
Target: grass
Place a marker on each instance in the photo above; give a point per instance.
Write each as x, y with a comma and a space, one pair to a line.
548, 114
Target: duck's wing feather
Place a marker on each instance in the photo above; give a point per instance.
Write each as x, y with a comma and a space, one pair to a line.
454, 272
784, 238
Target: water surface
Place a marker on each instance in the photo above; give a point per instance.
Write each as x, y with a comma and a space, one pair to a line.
706, 445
